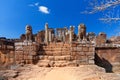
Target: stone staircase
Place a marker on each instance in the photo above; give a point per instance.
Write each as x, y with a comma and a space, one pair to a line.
62, 54
55, 55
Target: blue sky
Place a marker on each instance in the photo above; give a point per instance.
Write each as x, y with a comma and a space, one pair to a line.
16, 14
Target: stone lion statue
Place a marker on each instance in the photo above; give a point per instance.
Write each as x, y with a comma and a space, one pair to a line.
82, 32
28, 34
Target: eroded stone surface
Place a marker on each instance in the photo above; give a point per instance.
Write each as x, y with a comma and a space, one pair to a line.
83, 72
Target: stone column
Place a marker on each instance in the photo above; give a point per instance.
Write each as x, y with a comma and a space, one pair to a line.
63, 35
53, 37
50, 35
60, 35
79, 39
46, 33
70, 35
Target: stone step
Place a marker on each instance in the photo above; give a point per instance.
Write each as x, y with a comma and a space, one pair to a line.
55, 58
48, 63
55, 49
61, 63
43, 63
54, 53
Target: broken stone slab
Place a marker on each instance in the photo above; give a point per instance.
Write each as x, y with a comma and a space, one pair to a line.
9, 73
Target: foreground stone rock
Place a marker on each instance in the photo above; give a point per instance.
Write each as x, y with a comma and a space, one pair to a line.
83, 72
8, 74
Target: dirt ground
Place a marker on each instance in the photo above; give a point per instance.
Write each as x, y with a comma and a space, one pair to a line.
83, 72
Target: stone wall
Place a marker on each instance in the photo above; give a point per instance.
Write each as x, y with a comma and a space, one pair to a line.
83, 53
25, 52
6, 57
62, 54
54, 54
108, 57
6, 53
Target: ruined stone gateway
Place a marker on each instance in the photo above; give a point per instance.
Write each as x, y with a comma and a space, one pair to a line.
61, 47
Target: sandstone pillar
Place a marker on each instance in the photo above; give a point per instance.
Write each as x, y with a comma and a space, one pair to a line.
63, 35
71, 34
46, 33
50, 35
79, 33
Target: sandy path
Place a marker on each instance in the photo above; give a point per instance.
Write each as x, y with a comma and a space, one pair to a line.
85, 72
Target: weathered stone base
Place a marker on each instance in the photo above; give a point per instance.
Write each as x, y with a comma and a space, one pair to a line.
55, 54
63, 54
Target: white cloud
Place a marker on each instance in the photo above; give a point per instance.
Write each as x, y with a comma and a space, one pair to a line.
43, 9
33, 5
36, 4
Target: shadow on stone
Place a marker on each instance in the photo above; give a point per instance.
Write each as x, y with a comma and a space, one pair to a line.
39, 54
3, 78
102, 62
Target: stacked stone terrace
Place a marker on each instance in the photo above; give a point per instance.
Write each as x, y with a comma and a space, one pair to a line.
55, 54
63, 54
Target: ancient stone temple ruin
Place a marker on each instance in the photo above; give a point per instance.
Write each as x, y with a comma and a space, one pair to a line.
61, 47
